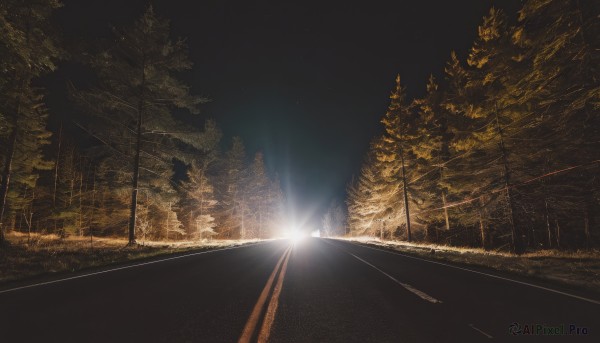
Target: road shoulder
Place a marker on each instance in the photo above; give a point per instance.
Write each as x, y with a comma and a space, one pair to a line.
522, 269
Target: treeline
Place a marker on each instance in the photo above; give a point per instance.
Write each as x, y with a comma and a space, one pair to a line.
145, 169
505, 153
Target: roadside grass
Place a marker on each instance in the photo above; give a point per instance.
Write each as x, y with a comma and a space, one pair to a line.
29, 256
580, 269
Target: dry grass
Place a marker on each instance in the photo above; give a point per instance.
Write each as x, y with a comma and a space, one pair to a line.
571, 268
29, 256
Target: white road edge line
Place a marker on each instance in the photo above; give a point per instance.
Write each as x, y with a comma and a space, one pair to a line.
120, 268
407, 286
481, 331
486, 274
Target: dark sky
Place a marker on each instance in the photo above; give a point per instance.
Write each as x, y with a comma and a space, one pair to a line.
305, 82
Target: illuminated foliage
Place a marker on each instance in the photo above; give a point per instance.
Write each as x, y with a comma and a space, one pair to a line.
131, 109
334, 221
232, 207
28, 50
372, 196
504, 153
201, 203
263, 199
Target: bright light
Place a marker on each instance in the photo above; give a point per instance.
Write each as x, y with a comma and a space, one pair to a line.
293, 233
296, 235
315, 233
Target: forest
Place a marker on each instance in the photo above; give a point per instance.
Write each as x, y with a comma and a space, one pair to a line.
128, 162
504, 152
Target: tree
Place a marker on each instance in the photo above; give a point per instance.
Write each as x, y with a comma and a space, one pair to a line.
202, 202
496, 65
232, 205
393, 151
334, 221
132, 105
508, 147
372, 195
275, 207
28, 50
559, 40
199, 201
256, 192
431, 149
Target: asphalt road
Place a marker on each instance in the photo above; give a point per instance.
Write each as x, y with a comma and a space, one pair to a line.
314, 291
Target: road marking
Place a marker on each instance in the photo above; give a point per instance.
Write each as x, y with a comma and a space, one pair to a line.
408, 287
250, 327
265, 330
120, 268
486, 274
481, 331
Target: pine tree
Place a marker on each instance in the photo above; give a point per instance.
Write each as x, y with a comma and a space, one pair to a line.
274, 212
256, 192
202, 202
393, 151
560, 43
66, 209
431, 149
334, 221
484, 138
28, 50
372, 198
232, 207
133, 102
362, 202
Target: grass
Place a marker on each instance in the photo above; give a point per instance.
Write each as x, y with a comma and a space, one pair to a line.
30, 256
580, 269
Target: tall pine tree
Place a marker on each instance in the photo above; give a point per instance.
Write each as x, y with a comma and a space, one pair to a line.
28, 50
133, 103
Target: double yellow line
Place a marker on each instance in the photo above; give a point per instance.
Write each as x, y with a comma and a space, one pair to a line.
268, 315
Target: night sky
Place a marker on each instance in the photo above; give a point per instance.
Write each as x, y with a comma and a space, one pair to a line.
304, 82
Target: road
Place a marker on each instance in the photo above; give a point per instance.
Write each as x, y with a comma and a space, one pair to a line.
316, 290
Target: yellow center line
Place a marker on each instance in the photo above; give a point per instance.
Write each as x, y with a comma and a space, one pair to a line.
254, 318
265, 330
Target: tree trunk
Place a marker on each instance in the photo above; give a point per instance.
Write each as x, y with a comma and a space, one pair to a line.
93, 208
243, 228
6, 173
482, 225
446, 218
259, 220
405, 192
586, 226
198, 227
168, 217
517, 239
547, 215
191, 223
80, 204
557, 233
136, 161
56, 166
23, 210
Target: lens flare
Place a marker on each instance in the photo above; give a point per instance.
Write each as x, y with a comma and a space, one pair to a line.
296, 236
